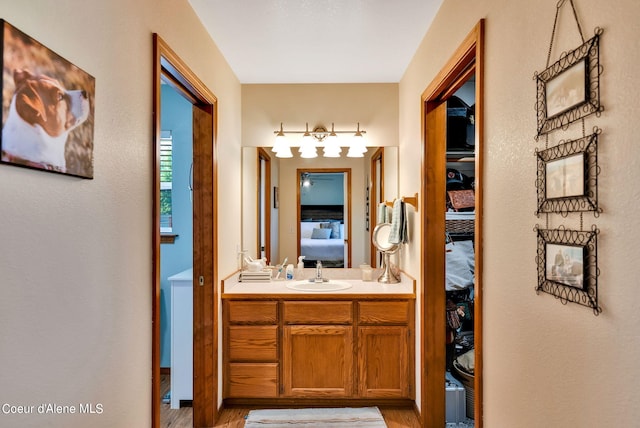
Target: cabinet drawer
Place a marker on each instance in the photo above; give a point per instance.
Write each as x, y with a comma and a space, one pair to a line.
253, 343
390, 312
253, 312
327, 312
252, 380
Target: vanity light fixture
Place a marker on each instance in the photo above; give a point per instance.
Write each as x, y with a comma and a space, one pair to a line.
332, 148
308, 146
280, 147
357, 148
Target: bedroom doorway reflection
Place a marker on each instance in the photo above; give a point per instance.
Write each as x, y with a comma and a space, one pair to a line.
324, 216
264, 204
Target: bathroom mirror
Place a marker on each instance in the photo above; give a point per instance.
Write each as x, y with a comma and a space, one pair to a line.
280, 215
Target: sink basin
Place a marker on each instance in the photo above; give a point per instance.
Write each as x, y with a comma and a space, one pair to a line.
319, 287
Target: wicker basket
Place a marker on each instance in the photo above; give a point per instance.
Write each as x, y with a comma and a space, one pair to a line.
467, 381
459, 226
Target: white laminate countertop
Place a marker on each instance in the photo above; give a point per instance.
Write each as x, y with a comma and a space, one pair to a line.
406, 286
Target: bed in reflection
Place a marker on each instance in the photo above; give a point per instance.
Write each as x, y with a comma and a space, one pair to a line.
322, 235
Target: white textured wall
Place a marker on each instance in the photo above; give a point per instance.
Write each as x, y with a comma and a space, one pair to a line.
75, 255
546, 364
373, 105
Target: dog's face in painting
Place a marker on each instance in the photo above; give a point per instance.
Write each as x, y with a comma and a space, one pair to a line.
41, 115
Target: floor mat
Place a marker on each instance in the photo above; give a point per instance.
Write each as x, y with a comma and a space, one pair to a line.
316, 417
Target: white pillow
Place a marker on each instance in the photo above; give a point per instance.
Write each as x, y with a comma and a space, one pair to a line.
319, 233
306, 228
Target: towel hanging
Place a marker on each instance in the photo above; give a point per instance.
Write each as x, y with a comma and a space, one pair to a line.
398, 234
384, 213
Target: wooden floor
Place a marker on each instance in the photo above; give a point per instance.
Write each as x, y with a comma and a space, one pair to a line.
234, 418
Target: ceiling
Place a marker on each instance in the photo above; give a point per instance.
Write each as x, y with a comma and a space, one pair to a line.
317, 41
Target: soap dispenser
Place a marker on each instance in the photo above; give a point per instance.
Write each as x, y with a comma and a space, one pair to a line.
300, 267
289, 271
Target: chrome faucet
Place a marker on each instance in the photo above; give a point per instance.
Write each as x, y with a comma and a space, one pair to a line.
319, 271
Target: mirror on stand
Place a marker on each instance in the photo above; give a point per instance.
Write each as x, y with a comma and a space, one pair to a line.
381, 241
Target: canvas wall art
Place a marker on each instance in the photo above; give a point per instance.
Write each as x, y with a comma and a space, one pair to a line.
47, 108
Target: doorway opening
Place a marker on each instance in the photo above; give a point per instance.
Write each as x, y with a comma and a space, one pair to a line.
169, 69
264, 204
376, 195
324, 203
466, 63
176, 253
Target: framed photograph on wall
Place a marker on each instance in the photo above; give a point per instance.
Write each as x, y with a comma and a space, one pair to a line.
564, 264
569, 89
568, 265
47, 108
567, 177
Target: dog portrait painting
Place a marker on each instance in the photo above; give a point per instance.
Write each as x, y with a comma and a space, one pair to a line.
47, 108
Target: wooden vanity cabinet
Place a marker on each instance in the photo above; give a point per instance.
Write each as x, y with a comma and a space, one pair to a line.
348, 349
251, 349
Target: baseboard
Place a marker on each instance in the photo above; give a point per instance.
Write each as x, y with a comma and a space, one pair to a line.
417, 411
284, 402
165, 370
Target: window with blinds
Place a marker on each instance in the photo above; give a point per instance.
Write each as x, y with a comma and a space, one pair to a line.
166, 181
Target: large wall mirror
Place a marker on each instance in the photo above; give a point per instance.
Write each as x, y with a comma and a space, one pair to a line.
272, 197
324, 213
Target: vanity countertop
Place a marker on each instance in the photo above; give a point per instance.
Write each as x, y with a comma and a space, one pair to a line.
231, 286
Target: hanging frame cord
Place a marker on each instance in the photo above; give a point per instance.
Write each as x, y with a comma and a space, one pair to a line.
555, 24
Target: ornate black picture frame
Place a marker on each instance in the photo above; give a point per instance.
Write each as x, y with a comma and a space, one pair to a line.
569, 89
567, 177
568, 265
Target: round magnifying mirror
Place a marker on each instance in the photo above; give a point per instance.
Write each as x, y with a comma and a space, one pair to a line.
380, 238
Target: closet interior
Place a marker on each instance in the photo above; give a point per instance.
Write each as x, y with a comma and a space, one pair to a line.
460, 254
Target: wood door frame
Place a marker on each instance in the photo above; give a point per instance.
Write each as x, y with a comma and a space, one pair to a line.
168, 67
378, 155
263, 155
347, 201
433, 356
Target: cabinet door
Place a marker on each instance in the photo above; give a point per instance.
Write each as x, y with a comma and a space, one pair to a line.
318, 361
383, 367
